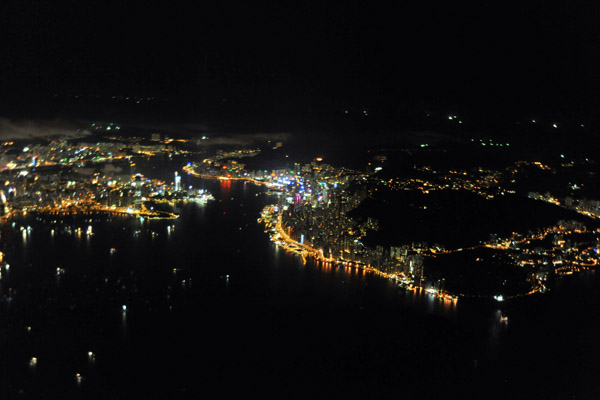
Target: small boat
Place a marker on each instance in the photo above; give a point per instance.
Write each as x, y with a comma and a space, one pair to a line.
503, 317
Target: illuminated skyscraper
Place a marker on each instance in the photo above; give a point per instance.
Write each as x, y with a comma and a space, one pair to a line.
177, 182
4, 207
137, 187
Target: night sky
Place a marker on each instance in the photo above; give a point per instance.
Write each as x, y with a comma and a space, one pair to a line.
302, 56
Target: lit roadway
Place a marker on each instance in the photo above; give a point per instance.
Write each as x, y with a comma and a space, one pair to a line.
291, 244
191, 171
92, 208
305, 250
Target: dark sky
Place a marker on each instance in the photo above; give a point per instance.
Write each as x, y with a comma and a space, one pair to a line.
526, 55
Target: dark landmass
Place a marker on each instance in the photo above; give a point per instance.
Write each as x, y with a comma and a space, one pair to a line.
453, 218
482, 272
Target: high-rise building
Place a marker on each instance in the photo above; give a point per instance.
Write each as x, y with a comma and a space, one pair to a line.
177, 182
137, 186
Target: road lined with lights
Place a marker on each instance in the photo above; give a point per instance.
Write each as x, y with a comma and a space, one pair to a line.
91, 209
281, 238
270, 185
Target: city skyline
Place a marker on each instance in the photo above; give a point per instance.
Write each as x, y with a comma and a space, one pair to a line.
334, 199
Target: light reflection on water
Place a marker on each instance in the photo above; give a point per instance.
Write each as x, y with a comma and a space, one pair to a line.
205, 245
147, 231
124, 325
496, 330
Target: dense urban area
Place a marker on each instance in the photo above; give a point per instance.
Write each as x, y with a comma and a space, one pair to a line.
324, 212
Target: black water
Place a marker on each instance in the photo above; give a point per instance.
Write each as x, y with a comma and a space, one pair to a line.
213, 305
